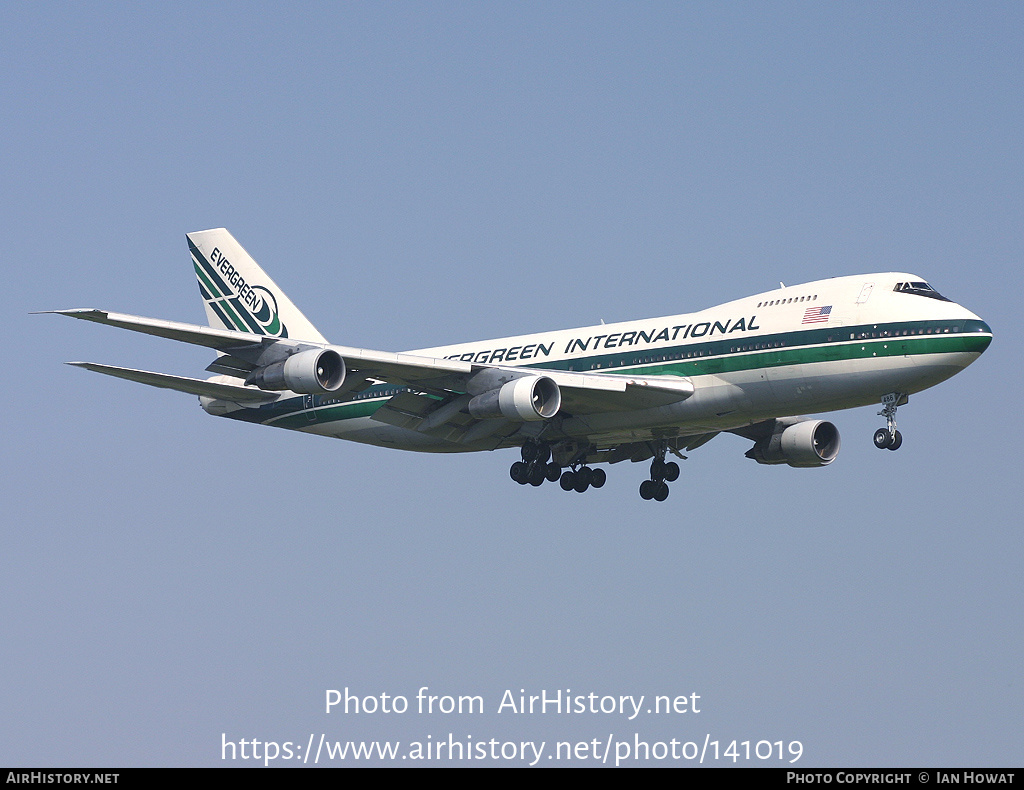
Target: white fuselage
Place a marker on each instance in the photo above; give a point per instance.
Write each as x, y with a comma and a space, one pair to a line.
826, 345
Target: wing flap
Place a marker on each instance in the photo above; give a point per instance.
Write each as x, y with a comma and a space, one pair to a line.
227, 365
404, 410
419, 412
638, 452
400, 368
621, 393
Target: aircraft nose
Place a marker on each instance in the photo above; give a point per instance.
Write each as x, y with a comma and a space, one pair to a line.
977, 335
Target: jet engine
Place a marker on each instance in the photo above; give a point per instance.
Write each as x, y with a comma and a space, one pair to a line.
314, 372
523, 399
801, 444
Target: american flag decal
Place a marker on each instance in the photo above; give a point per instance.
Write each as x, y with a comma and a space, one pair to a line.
817, 315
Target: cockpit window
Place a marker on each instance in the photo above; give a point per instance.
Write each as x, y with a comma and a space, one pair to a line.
919, 289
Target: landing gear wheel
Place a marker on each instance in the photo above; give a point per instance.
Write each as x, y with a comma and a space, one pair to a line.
554, 471
897, 441
662, 473
538, 474
567, 480
882, 439
530, 452
519, 472
598, 478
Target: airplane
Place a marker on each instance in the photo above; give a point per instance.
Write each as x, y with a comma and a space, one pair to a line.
573, 399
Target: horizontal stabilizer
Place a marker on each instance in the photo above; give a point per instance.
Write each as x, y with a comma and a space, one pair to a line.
210, 389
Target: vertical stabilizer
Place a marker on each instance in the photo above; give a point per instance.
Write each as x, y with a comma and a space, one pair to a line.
238, 294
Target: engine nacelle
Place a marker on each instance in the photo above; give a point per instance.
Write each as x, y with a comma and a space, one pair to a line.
802, 444
315, 372
524, 399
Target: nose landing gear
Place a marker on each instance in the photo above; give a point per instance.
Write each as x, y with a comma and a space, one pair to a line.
889, 438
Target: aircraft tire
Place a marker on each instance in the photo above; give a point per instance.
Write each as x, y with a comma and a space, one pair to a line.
671, 471
661, 491
882, 439
554, 471
897, 441
646, 489
567, 480
537, 475
598, 478
518, 472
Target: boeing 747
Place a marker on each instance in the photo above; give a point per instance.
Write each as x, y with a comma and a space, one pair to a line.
571, 399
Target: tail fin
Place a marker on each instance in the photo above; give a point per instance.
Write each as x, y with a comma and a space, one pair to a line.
237, 293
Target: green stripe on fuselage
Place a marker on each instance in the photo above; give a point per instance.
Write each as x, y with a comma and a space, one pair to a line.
294, 412
333, 413
695, 359
787, 348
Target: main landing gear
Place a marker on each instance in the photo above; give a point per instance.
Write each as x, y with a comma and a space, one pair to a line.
537, 467
662, 473
582, 478
889, 438
534, 468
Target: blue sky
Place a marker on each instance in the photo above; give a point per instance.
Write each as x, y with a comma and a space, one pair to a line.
414, 175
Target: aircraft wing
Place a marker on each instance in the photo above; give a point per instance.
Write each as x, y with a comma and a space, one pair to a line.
249, 349
220, 339
200, 387
441, 382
